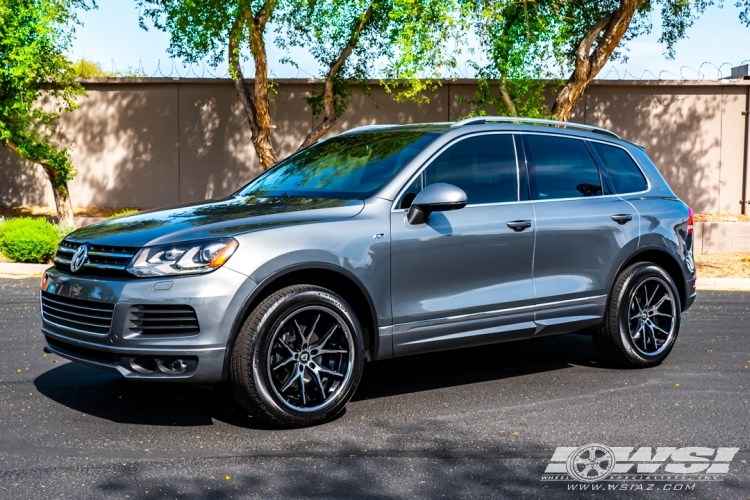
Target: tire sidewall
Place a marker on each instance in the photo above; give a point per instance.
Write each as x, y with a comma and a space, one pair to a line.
268, 324
634, 279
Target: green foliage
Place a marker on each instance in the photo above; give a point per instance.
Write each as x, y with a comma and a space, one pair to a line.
34, 38
63, 230
85, 68
124, 211
518, 40
28, 240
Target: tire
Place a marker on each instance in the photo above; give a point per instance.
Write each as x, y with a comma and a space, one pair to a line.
292, 370
642, 318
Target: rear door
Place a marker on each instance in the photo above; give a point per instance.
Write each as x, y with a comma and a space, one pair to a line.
464, 277
583, 232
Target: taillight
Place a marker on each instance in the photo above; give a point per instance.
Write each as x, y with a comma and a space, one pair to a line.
690, 220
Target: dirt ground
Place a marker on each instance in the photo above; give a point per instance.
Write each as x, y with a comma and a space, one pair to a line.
723, 265
721, 218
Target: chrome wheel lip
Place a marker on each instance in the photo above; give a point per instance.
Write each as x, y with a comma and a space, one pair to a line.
644, 313
333, 397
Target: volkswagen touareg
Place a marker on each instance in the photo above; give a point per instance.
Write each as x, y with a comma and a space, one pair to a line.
379, 242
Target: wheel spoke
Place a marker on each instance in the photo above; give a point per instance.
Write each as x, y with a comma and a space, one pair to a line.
319, 383
638, 303
635, 335
656, 289
302, 385
661, 301
653, 336
321, 343
328, 371
657, 313
291, 351
290, 381
331, 351
653, 325
283, 363
312, 329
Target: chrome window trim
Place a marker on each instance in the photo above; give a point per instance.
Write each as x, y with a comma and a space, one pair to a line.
447, 320
648, 182
440, 151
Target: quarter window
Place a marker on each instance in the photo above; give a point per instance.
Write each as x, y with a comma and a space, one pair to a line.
625, 175
483, 166
561, 167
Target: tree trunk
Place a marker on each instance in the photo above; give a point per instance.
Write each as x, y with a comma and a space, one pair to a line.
256, 104
59, 189
507, 99
588, 63
329, 108
62, 203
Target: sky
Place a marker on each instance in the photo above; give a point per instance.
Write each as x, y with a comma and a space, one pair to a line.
111, 36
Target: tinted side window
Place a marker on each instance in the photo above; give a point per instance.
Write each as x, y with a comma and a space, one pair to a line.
622, 170
483, 166
561, 167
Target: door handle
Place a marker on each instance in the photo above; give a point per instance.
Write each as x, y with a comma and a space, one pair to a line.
519, 225
622, 218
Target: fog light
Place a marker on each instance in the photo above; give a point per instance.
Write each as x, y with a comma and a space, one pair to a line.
178, 366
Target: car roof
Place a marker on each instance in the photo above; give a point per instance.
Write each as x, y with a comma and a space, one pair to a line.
509, 123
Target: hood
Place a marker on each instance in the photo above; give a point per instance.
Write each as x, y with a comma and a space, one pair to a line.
226, 217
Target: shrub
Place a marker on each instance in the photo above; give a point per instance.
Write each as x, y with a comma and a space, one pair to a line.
124, 211
28, 240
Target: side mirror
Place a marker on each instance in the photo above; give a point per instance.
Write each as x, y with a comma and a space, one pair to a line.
438, 197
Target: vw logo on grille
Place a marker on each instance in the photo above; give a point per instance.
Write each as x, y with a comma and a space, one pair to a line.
79, 258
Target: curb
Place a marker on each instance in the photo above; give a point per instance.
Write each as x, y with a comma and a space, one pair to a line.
14, 270
723, 284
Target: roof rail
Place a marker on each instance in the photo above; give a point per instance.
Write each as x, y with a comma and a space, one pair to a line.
478, 120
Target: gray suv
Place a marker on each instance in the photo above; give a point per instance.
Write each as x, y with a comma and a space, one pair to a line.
381, 242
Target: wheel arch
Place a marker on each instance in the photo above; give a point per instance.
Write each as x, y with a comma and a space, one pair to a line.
663, 258
334, 278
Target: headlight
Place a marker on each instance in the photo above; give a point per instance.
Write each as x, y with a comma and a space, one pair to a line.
183, 258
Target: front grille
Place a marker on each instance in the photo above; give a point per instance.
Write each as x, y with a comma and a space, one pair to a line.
101, 261
83, 315
157, 319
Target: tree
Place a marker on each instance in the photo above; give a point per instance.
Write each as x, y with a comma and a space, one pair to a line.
594, 29
517, 41
34, 36
347, 37
218, 29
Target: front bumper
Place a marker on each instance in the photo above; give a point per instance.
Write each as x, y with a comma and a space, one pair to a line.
217, 299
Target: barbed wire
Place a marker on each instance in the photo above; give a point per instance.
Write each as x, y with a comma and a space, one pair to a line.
707, 71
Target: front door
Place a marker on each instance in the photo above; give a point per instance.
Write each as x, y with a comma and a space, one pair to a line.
464, 277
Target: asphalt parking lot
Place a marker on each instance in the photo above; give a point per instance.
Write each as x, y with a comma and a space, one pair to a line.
479, 422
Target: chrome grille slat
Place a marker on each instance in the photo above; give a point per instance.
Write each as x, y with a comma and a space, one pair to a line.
77, 314
78, 322
110, 255
52, 298
62, 311
101, 259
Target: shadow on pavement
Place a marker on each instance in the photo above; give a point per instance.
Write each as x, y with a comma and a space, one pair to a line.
107, 395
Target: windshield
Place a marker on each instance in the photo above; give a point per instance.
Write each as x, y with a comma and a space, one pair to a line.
349, 166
